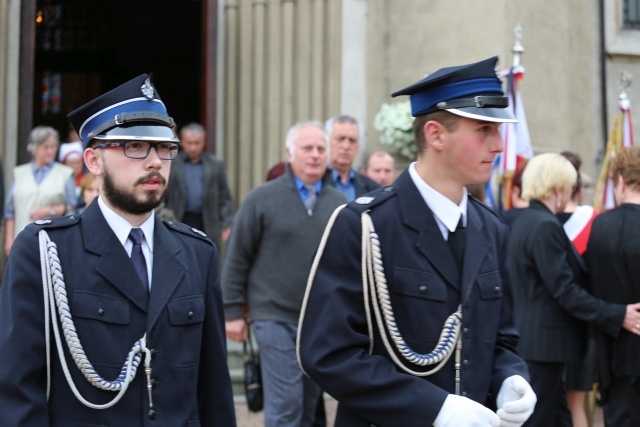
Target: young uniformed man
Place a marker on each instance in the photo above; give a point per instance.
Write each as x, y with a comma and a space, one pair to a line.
130, 330
371, 332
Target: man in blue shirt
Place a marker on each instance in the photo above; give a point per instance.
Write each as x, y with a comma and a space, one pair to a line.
344, 138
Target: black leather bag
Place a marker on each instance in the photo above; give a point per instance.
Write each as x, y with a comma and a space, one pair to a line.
252, 376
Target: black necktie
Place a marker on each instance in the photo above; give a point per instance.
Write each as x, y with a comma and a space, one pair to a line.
456, 243
137, 257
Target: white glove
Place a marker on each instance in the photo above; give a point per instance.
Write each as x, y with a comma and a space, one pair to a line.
458, 411
516, 401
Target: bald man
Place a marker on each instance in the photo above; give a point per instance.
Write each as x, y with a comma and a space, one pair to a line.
381, 167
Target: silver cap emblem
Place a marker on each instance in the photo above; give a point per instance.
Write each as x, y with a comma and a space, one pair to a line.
147, 89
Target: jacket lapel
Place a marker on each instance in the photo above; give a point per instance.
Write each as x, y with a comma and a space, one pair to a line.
168, 271
475, 250
417, 215
114, 264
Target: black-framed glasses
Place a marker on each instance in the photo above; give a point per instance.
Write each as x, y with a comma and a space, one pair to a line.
141, 149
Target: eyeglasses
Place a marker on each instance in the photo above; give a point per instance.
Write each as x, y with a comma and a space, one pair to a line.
141, 149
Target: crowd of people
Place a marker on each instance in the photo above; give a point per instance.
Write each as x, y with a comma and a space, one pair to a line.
404, 296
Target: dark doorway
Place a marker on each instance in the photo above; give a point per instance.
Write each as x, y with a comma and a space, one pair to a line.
85, 48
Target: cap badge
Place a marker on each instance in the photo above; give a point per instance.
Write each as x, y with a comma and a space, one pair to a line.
499, 73
147, 89
364, 200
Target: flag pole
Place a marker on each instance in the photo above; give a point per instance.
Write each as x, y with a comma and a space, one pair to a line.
621, 135
507, 174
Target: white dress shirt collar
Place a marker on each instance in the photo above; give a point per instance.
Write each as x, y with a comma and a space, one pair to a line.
446, 212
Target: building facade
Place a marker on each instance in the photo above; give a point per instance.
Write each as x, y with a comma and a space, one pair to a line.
249, 69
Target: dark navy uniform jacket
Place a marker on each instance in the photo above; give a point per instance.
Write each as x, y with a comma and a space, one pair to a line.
425, 288
182, 317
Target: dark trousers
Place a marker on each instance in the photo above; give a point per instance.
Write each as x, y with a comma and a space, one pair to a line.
622, 405
551, 409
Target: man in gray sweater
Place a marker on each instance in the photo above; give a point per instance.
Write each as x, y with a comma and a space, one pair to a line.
274, 238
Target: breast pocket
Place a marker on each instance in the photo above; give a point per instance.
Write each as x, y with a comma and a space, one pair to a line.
491, 292
104, 308
419, 304
102, 323
186, 316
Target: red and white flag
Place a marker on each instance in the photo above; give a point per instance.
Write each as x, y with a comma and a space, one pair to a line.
517, 141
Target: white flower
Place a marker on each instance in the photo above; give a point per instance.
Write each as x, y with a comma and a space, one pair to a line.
395, 124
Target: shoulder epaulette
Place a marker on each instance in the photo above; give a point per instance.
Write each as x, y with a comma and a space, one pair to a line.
486, 208
372, 199
187, 230
57, 221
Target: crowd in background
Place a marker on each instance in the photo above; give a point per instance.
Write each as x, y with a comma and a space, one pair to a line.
572, 270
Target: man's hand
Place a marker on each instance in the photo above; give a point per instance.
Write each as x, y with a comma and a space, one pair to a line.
515, 401
236, 330
458, 411
632, 319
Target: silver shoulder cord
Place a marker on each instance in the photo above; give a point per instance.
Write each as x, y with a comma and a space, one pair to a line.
55, 297
374, 282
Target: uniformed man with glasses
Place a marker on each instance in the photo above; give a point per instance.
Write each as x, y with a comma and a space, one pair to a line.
114, 317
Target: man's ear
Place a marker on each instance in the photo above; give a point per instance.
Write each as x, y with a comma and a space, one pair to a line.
434, 133
93, 161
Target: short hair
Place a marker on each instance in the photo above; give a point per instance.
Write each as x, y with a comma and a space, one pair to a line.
627, 165
576, 161
516, 181
546, 172
342, 118
292, 134
85, 182
39, 135
377, 153
194, 128
448, 120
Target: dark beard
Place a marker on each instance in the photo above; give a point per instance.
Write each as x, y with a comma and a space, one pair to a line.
128, 202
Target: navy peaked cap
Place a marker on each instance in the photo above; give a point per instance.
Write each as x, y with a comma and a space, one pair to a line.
133, 110
472, 90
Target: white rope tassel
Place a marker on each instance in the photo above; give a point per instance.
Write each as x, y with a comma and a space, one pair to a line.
55, 296
385, 317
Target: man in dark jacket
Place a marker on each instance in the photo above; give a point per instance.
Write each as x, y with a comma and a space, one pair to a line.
198, 193
614, 262
344, 142
430, 255
130, 331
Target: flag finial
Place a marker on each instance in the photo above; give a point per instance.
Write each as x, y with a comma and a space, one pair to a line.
517, 49
626, 79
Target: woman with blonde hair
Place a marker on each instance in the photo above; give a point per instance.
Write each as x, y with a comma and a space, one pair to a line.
552, 305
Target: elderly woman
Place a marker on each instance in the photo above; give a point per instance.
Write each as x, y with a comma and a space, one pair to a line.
40, 188
552, 306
